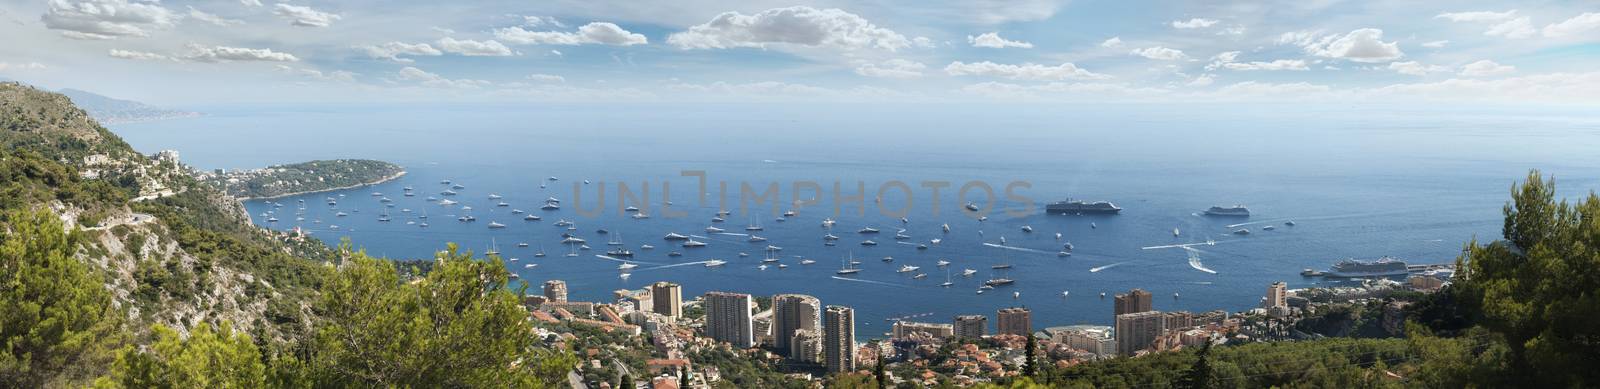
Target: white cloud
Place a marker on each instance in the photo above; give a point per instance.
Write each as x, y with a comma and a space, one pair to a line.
1193, 23
1160, 53
1281, 64
541, 21
894, 68
213, 18
1416, 68
1552, 87
199, 53
1486, 68
472, 48
1267, 89
546, 78
1435, 44
1506, 24
763, 88
1091, 91
138, 55
1233, 30
1202, 80
994, 41
1362, 45
1477, 16
106, 19
1574, 26
1027, 71
597, 33
250, 3
337, 75
304, 16
1226, 56
798, 25
425, 78
6, 66
1114, 42
393, 50
923, 42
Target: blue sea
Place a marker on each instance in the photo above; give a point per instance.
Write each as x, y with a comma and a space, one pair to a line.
1359, 182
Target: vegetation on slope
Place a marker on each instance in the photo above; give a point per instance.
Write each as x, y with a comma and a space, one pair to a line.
304, 177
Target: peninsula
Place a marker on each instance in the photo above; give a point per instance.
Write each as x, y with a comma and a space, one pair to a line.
304, 177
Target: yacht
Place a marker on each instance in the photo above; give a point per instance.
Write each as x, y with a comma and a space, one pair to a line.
971, 206
829, 237
531, 217
494, 248
550, 206
919, 276
754, 238
774, 248
444, 182
868, 243
754, 226
447, 202
640, 215
1001, 266
942, 263
946, 227
646, 247
1079, 207
458, 186
1174, 232
626, 266
675, 236
522, 244
496, 225
1063, 253
341, 214
887, 259
762, 267
502, 204
901, 235
999, 281
907, 269
1027, 228
1289, 223
563, 223
493, 196
384, 217
1242, 231
693, 243
715, 263
717, 219
448, 192
807, 261
828, 222
674, 254
552, 200
713, 229
1268, 228
1237, 211
540, 254
1381, 267
789, 213
272, 220
573, 239
529, 266
868, 230
619, 252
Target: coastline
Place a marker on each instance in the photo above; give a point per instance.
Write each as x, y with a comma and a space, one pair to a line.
391, 177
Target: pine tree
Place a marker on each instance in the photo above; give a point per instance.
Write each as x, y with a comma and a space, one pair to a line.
57, 324
1199, 375
879, 375
1029, 367
683, 378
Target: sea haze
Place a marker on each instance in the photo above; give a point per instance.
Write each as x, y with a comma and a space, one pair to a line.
1359, 182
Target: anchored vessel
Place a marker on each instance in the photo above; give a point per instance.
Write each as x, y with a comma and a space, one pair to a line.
1354, 268
1069, 207
1237, 210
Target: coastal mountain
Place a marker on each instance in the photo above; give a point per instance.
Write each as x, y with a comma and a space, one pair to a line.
112, 110
304, 177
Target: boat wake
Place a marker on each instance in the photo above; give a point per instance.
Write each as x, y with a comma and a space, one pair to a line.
907, 243
1098, 269
1185, 246
671, 266
623, 260
871, 282
1036, 251
732, 234
1194, 261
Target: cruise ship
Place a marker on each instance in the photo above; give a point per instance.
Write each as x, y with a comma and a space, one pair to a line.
1070, 207
1354, 268
1237, 210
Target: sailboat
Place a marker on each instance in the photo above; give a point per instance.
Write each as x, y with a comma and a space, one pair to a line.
540, 254
848, 267
494, 247
947, 281
754, 225
384, 217
1174, 232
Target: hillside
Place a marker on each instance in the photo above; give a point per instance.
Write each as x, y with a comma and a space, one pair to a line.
161, 281
304, 177
111, 110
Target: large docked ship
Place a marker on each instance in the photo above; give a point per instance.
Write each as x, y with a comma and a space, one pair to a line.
1354, 268
1072, 207
1237, 210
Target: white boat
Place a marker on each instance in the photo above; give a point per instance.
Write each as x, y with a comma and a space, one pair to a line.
715, 263
531, 217
573, 240
1027, 228
717, 219
754, 238
849, 267
713, 229
550, 206
807, 261
496, 225
943, 263
493, 196
1268, 228
675, 236
907, 269
946, 227
693, 243
774, 248
947, 283
522, 244
625, 276
626, 266
552, 200
647, 247
968, 272
529, 266
1242, 231
919, 276
868, 242
754, 226
640, 215
447, 202
829, 237
631, 208
762, 267
867, 230
502, 204
828, 222
1174, 232
563, 222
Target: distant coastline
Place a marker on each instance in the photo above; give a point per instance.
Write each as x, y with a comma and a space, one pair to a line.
352, 186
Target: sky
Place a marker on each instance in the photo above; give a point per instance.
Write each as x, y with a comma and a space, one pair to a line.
982, 51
